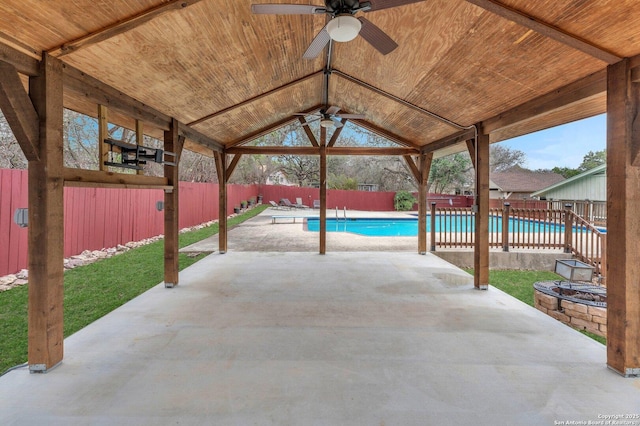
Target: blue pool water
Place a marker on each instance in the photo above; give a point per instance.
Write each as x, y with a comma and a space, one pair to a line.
408, 227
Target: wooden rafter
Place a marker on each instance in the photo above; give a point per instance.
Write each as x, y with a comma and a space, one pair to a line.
448, 141
268, 129
584, 88
19, 111
120, 27
547, 30
256, 98
385, 133
308, 132
471, 147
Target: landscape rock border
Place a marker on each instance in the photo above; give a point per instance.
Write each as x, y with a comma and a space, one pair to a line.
87, 257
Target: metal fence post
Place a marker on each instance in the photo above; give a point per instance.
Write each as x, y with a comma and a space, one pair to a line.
506, 211
433, 226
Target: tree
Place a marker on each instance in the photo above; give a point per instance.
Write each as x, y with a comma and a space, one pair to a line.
593, 159
11, 156
448, 173
502, 158
565, 172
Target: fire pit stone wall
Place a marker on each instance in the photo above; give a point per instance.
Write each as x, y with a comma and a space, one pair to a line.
576, 315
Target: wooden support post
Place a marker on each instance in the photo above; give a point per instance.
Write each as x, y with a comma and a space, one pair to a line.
323, 190
221, 169
425, 167
506, 212
172, 143
623, 227
46, 222
481, 251
103, 133
568, 228
139, 139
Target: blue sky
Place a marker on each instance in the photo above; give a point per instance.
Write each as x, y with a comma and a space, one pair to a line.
562, 146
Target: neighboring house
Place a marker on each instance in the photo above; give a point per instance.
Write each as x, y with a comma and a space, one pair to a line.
279, 178
519, 184
590, 185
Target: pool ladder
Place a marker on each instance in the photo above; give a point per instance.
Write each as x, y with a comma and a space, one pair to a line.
345, 213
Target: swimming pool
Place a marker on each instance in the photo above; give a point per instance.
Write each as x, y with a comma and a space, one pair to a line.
408, 227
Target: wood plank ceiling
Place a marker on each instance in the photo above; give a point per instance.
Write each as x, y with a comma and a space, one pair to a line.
231, 74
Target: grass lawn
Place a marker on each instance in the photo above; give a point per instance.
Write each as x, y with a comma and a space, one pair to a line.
519, 284
92, 291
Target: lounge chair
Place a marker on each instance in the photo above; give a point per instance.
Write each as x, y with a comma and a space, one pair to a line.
285, 202
316, 204
299, 204
276, 206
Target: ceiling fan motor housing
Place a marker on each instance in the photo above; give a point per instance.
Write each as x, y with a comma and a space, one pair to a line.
341, 6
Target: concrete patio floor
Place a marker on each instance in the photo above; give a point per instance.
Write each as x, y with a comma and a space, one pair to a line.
360, 338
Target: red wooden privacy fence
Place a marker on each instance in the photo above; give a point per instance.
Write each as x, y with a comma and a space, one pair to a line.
96, 217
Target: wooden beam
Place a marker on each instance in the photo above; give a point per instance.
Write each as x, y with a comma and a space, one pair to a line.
221, 166
481, 249
105, 179
19, 111
201, 139
120, 27
308, 132
274, 150
323, 190
172, 143
385, 133
425, 168
256, 98
100, 93
547, 30
22, 62
139, 139
353, 150
336, 134
309, 150
623, 227
584, 88
103, 134
448, 141
232, 166
413, 168
46, 222
268, 129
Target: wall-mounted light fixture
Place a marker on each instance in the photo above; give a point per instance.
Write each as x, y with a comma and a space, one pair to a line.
159, 205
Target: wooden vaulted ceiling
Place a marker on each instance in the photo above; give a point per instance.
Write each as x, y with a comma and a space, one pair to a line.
516, 66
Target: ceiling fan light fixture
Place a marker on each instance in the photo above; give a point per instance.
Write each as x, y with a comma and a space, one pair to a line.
344, 28
327, 123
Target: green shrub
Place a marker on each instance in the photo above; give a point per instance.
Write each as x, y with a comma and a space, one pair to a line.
404, 201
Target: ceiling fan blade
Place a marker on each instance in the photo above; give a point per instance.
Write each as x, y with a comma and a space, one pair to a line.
318, 43
351, 116
306, 114
332, 110
337, 123
376, 37
286, 9
386, 4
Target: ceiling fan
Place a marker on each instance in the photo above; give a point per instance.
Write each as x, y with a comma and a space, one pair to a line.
343, 26
330, 118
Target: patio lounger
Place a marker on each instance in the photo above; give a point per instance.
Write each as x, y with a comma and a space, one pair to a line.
286, 203
276, 206
299, 204
316, 204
